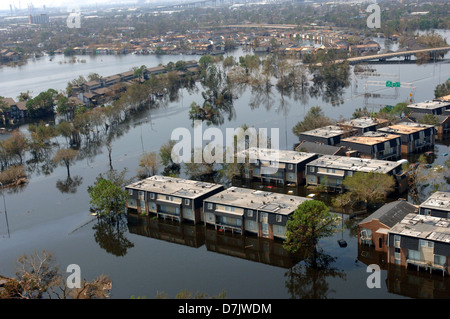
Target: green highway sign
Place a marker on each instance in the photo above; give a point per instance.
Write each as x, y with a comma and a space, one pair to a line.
391, 84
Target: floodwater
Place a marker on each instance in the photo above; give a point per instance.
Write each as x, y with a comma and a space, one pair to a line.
143, 256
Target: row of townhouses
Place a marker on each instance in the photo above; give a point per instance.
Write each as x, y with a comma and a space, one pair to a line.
415, 236
235, 209
294, 168
101, 91
94, 93
374, 138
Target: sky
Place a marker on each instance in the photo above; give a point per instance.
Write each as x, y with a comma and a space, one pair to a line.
4, 4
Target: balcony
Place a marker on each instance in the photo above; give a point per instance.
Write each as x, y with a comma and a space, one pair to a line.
428, 265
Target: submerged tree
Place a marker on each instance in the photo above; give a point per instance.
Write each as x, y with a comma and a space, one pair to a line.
311, 221
315, 118
107, 198
149, 164
369, 187
442, 89
66, 156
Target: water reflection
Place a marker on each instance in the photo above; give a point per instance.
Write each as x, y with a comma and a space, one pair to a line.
70, 184
110, 234
308, 271
405, 281
252, 248
173, 232
262, 250
310, 278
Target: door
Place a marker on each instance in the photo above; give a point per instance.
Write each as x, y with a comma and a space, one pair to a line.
264, 225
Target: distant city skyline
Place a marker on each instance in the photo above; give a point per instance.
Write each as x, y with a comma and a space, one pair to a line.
39, 4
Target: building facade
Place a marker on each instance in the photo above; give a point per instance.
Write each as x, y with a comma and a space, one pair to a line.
437, 205
415, 137
170, 197
364, 124
421, 242
375, 145
330, 171
278, 166
374, 229
243, 210
328, 135
436, 107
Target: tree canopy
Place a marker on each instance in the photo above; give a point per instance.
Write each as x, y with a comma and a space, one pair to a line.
369, 187
107, 198
313, 119
311, 221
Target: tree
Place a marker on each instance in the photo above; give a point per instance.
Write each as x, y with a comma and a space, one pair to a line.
171, 165
369, 187
107, 198
315, 118
66, 156
442, 89
309, 222
16, 145
149, 164
37, 276
62, 106
43, 104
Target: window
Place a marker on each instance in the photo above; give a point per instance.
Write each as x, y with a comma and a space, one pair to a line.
413, 254
396, 241
290, 166
427, 212
152, 195
130, 192
250, 213
279, 218
279, 230
187, 202
426, 243
397, 256
210, 206
141, 194
312, 169
440, 260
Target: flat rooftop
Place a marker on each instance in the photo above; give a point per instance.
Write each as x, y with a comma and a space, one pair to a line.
355, 164
282, 156
257, 200
326, 131
424, 227
438, 200
174, 186
445, 98
405, 128
429, 105
371, 138
363, 122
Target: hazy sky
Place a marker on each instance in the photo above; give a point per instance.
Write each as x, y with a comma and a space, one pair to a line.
4, 4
